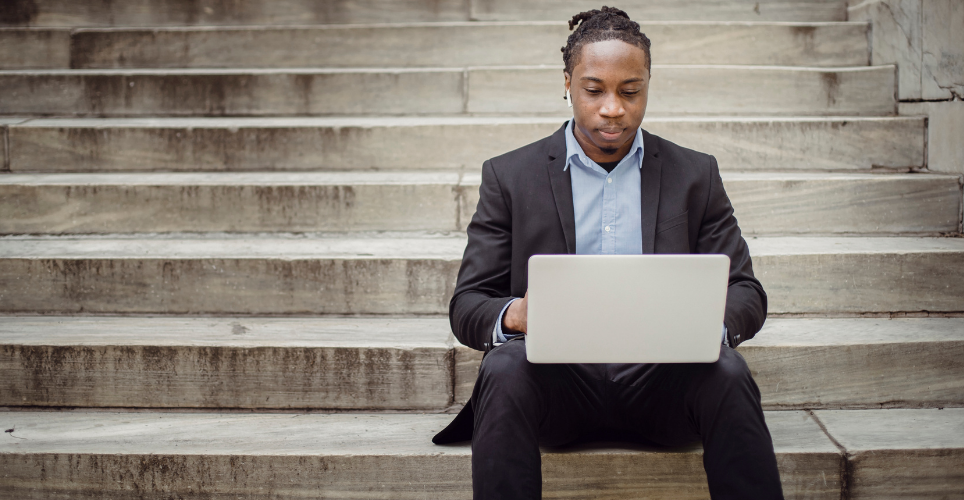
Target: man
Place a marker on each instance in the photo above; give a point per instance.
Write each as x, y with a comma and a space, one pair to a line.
601, 185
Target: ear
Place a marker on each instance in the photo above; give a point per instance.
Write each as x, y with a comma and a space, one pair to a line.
568, 79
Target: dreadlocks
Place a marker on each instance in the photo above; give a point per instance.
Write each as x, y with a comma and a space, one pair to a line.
609, 23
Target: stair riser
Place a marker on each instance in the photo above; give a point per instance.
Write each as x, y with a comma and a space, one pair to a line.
808, 283
667, 475
676, 90
139, 209
295, 12
465, 45
879, 204
858, 283
739, 10
242, 286
34, 48
737, 145
191, 12
704, 91
900, 375
219, 377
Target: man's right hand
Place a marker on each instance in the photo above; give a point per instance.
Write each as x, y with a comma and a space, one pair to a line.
517, 315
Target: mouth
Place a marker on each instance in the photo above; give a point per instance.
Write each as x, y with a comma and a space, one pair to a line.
610, 134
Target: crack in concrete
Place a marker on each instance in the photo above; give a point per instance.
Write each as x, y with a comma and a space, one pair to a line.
846, 465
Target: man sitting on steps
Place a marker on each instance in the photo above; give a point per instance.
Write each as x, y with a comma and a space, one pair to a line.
601, 185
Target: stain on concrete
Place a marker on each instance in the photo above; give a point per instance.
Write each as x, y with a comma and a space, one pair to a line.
831, 86
18, 12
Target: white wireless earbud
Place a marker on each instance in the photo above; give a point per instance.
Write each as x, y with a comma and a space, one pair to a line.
568, 98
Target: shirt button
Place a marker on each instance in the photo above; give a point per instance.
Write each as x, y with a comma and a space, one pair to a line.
610, 180
607, 229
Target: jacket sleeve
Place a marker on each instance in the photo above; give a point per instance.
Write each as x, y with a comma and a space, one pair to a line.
483, 285
746, 302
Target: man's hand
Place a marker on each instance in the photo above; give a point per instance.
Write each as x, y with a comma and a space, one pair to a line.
517, 315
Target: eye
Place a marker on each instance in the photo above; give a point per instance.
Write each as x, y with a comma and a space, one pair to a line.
594, 91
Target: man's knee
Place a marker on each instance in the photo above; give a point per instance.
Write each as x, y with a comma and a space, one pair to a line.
731, 371
504, 361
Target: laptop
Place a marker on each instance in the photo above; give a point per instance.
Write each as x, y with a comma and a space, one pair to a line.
626, 308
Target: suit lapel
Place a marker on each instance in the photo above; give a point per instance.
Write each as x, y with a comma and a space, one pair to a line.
649, 191
561, 183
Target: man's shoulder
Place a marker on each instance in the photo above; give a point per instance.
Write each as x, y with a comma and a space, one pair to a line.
682, 157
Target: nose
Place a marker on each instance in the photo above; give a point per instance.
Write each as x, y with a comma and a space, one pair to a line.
612, 106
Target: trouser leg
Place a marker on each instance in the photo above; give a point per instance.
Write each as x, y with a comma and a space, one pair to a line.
519, 405
717, 404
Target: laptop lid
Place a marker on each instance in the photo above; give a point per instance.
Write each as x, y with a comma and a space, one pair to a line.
626, 308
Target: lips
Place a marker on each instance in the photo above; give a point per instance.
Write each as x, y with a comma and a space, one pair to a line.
610, 134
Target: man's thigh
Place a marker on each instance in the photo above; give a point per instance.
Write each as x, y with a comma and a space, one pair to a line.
664, 404
565, 401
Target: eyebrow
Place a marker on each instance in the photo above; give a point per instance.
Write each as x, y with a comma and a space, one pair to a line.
599, 80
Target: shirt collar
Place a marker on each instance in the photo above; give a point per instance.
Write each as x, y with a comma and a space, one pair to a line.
574, 150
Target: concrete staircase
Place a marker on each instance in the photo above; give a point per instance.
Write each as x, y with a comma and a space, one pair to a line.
230, 232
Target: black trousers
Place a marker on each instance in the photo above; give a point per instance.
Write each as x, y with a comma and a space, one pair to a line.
519, 405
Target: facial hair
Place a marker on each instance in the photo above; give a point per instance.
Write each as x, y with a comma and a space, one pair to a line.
609, 151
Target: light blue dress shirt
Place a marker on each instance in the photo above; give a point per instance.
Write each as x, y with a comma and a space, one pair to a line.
606, 206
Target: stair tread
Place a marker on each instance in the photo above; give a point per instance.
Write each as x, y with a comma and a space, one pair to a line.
406, 121
383, 178
163, 433
396, 245
406, 333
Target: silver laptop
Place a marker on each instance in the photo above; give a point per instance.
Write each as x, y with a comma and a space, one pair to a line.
626, 308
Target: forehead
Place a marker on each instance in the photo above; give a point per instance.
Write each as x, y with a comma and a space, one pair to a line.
611, 56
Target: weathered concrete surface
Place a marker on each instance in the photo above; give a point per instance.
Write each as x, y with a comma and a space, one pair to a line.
836, 363
901, 453
466, 44
765, 203
250, 92
945, 128
895, 38
942, 49
347, 456
213, 12
276, 363
742, 10
805, 203
924, 39
362, 363
402, 275
230, 202
858, 275
411, 274
675, 90
295, 12
684, 90
26, 48
858, 363
199, 144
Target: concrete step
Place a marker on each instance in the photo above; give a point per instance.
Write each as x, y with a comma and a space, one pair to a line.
415, 363
765, 203
675, 90
295, 12
390, 273
730, 10
417, 45
900, 453
62, 455
386, 143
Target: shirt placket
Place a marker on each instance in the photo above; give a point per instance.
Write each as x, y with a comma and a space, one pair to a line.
609, 215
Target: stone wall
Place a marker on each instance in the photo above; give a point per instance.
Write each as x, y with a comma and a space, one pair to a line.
925, 39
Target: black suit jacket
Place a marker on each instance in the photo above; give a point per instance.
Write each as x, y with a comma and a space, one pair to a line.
525, 208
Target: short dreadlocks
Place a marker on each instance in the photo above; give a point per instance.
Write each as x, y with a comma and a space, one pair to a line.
609, 23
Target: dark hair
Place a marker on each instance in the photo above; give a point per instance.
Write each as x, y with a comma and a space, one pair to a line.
594, 25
